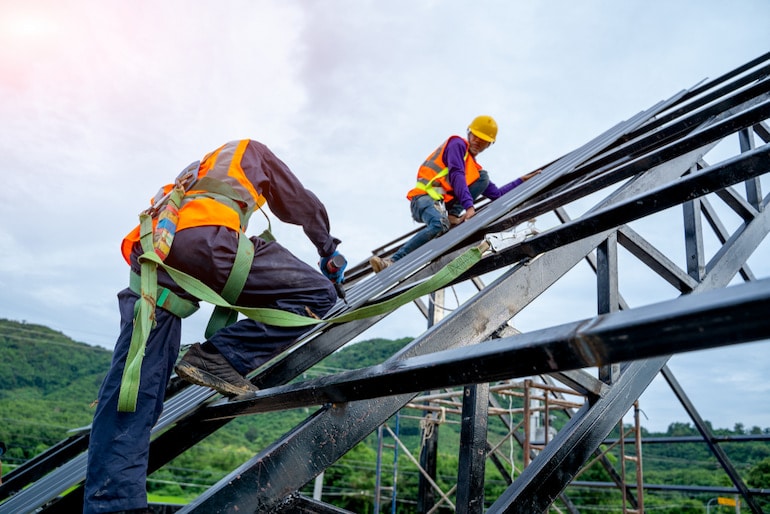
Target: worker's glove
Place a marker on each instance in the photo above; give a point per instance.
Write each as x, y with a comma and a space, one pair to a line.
333, 267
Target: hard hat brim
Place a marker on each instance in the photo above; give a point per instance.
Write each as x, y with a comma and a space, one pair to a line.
481, 135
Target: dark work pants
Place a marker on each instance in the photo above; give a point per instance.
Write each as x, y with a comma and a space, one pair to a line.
119, 445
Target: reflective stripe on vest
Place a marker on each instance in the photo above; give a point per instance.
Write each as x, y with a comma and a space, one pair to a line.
222, 196
224, 164
431, 176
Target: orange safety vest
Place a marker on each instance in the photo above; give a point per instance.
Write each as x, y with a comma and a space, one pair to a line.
200, 207
432, 175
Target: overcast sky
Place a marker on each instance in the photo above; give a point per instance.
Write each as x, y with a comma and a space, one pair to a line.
103, 102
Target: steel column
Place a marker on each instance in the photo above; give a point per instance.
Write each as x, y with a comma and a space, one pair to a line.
473, 444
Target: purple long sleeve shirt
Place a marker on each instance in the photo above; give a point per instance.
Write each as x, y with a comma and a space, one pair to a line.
454, 155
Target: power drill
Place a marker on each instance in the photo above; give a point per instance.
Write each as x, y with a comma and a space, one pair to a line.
333, 265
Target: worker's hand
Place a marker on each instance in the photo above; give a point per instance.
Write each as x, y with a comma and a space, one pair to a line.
469, 213
531, 174
333, 267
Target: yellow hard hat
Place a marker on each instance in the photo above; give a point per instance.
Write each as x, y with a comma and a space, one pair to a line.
484, 127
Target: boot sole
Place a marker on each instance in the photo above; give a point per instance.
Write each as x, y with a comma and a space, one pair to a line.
206, 379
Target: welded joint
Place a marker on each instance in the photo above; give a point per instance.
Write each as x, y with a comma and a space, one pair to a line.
587, 346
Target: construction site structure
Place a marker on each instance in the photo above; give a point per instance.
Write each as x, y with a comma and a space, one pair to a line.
692, 165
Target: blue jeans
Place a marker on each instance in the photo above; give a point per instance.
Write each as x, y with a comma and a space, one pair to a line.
426, 210
435, 215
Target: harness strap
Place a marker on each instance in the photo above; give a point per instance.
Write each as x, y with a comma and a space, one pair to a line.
158, 243
224, 316
429, 188
277, 317
144, 309
437, 193
150, 296
166, 298
144, 320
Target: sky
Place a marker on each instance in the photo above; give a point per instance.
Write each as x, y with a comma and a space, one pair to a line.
103, 102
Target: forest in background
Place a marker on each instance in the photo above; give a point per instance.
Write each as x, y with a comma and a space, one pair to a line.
48, 384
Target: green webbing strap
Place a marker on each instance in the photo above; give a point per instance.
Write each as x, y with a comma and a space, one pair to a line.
428, 186
266, 235
144, 308
150, 296
166, 298
144, 319
277, 317
224, 316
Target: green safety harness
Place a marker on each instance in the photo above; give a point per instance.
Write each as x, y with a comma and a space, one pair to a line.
225, 311
428, 186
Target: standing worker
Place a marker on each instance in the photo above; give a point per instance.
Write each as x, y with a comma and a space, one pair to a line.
209, 244
448, 183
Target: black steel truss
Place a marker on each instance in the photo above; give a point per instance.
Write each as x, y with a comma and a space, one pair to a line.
651, 162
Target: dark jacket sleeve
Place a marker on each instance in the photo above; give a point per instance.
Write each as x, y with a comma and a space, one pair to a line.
287, 197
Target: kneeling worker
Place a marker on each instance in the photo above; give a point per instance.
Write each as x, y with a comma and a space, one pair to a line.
448, 183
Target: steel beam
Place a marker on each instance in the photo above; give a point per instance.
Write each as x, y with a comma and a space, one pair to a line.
738, 169
540, 483
716, 450
735, 252
692, 322
473, 444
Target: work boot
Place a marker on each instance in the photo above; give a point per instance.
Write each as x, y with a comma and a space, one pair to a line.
378, 263
207, 367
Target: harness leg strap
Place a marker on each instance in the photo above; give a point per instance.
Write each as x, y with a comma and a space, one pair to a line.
224, 316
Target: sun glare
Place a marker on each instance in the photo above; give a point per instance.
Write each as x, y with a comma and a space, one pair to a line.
26, 26
30, 39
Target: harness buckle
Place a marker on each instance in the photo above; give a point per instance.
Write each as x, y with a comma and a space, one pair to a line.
185, 180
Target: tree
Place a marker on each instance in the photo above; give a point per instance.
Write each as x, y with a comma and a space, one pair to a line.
759, 477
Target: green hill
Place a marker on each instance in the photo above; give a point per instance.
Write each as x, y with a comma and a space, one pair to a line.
47, 384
